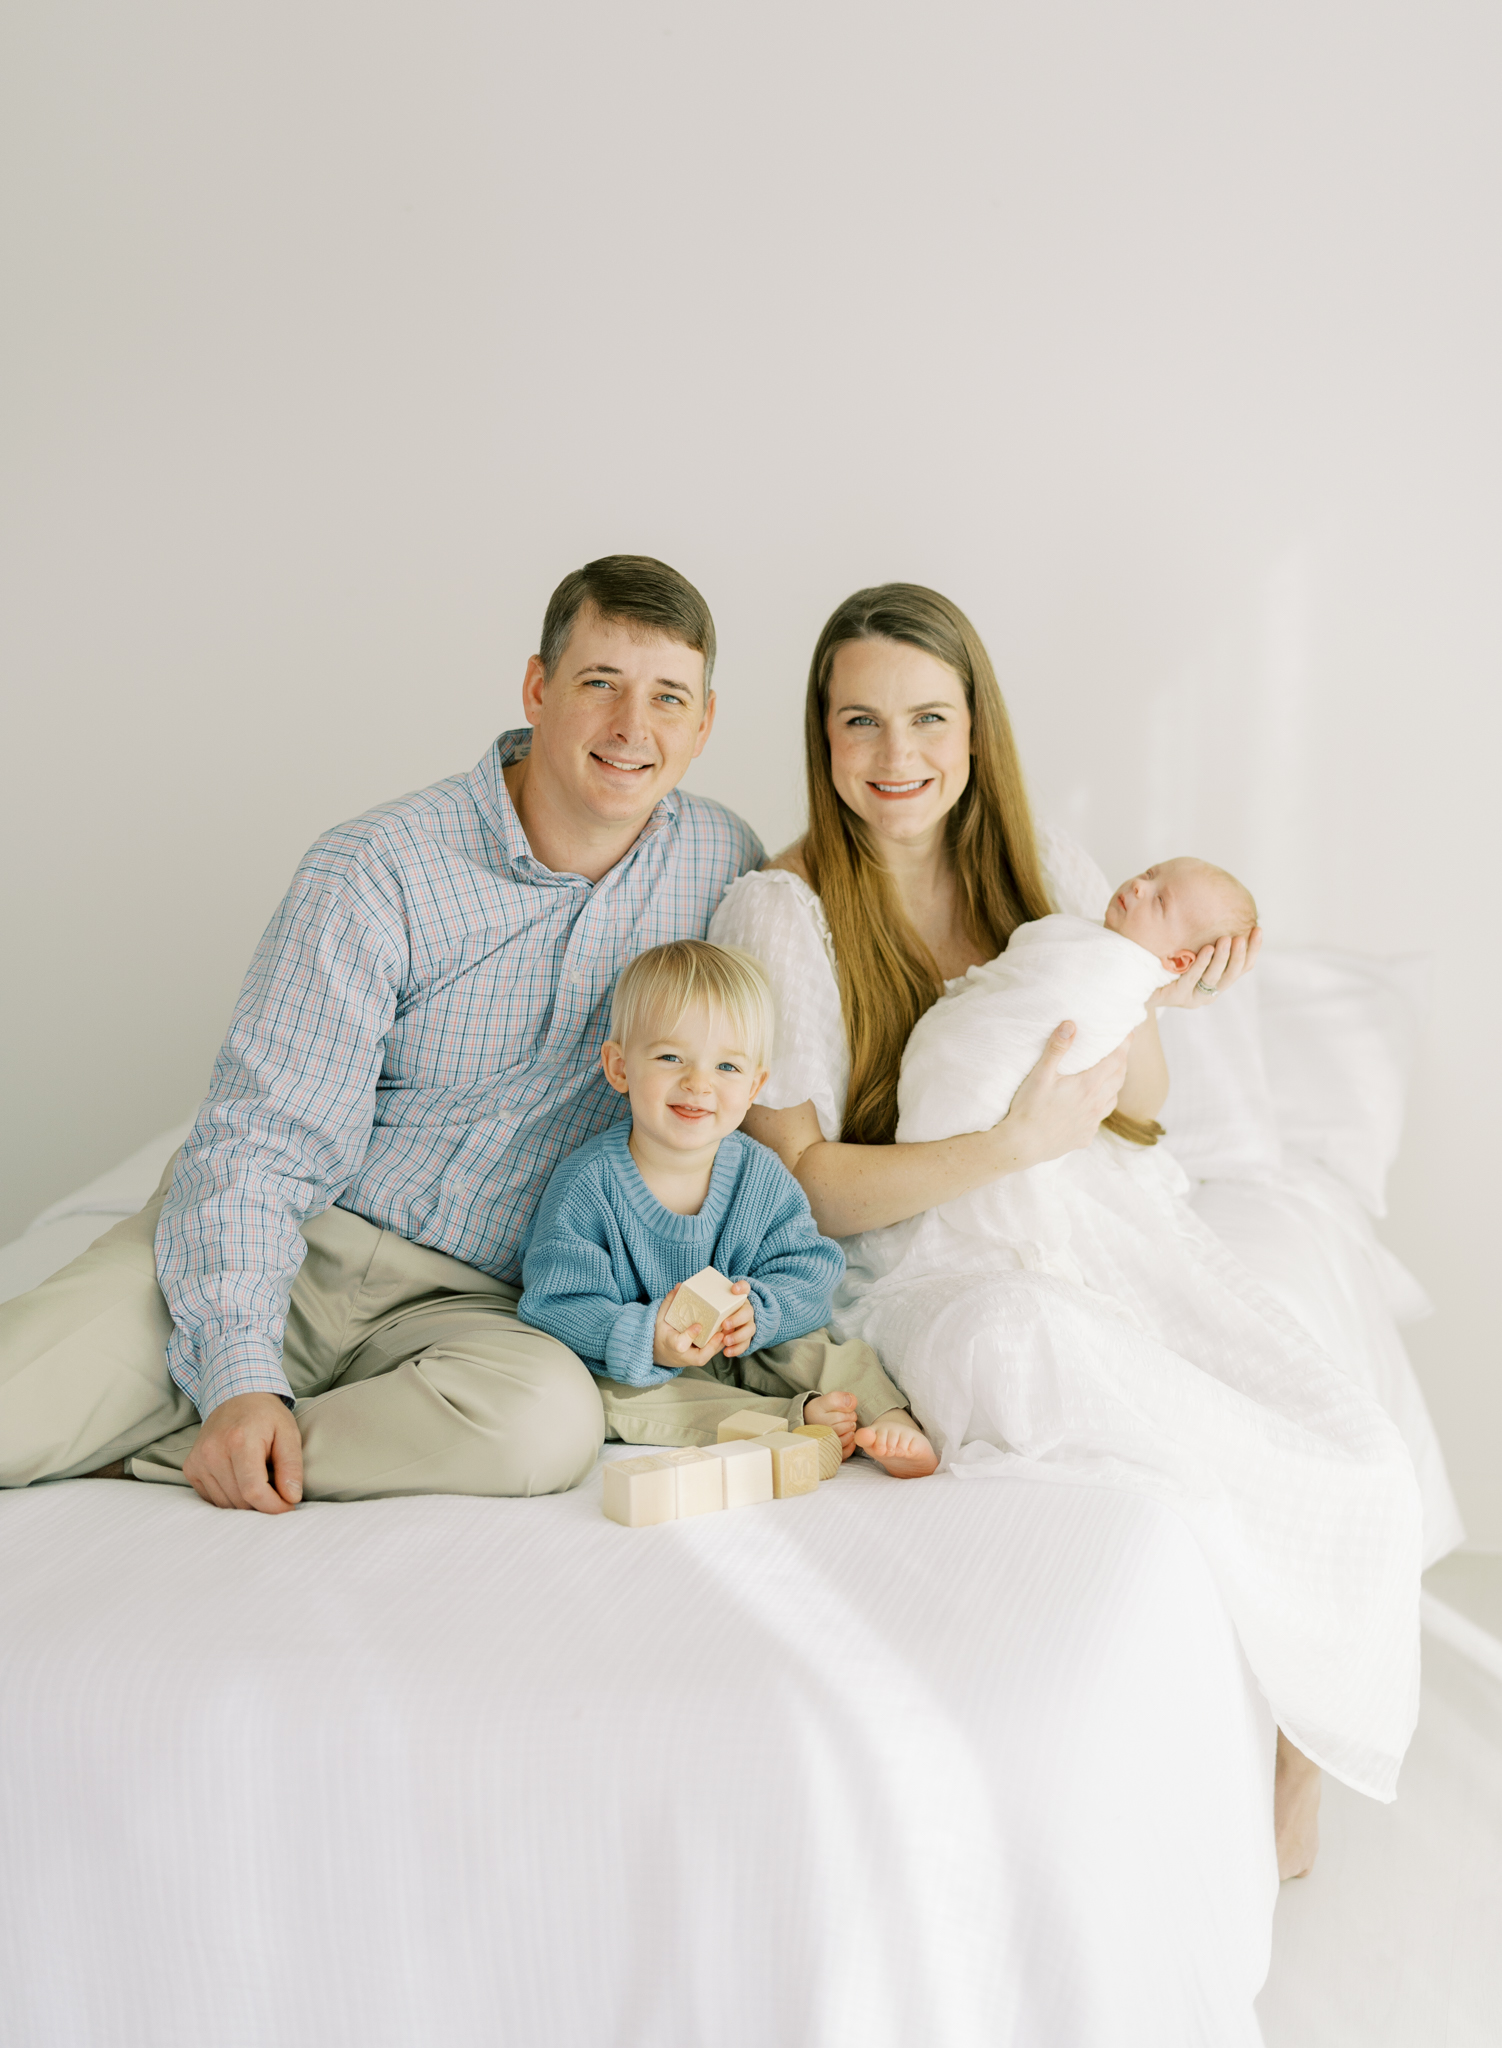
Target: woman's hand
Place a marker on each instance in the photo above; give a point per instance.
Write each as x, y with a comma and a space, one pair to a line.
854, 1187
1219, 966
1054, 1113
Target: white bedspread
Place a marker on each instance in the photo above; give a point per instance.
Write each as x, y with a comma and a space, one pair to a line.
892, 1764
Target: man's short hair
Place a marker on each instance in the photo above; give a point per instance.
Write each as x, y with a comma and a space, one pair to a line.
639, 591
655, 990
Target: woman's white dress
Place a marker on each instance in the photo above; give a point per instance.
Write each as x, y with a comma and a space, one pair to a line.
1172, 1371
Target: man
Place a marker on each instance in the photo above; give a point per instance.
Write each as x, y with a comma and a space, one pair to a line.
415, 1047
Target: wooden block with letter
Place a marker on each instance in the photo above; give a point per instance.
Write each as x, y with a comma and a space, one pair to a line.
704, 1298
746, 1464
750, 1422
640, 1491
795, 1463
831, 1456
700, 1480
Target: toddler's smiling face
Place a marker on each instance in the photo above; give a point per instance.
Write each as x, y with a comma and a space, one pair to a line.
1179, 906
690, 1081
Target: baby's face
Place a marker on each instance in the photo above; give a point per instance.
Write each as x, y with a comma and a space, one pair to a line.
1174, 909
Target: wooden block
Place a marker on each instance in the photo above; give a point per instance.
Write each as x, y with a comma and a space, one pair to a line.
640, 1491
704, 1298
795, 1464
831, 1457
700, 1481
747, 1469
749, 1422
687, 1308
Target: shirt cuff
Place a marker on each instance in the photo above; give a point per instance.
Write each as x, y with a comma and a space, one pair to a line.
231, 1363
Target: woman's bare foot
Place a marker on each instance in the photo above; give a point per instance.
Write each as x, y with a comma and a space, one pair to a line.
837, 1411
895, 1441
1296, 1787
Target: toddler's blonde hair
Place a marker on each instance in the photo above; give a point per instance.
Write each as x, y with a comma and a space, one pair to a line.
653, 991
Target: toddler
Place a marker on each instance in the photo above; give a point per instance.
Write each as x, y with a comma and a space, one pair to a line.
644, 1206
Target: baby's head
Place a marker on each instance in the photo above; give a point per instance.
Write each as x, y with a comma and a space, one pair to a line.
1179, 907
691, 1028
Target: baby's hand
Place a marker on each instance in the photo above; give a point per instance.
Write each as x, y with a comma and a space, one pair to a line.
838, 1412
895, 1441
739, 1327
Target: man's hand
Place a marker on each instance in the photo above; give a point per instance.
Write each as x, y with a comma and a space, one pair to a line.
248, 1455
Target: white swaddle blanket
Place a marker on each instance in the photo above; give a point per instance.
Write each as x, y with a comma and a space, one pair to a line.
969, 1053
1077, 1321
967, 1056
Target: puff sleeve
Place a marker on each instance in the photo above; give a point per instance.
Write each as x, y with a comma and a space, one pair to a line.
777, 918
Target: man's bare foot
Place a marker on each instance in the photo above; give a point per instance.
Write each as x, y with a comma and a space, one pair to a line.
1296, 1788
114, 1471
895, 1441
837, 1411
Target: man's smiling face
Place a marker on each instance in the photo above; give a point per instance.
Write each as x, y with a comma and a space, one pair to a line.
619, 720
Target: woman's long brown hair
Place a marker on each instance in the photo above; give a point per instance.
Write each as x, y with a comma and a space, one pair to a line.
888, 976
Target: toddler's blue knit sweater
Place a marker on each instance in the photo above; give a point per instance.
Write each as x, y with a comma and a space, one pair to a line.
603, 1253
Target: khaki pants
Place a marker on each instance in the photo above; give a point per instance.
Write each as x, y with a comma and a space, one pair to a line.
410, 1371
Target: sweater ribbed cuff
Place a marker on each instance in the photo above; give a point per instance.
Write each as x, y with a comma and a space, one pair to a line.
628, 1348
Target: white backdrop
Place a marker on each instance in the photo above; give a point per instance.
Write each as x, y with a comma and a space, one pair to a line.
1163, 336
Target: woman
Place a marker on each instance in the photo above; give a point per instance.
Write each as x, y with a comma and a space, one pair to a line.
920, 860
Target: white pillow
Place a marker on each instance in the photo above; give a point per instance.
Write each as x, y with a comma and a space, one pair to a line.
1339, 1032
1219, 1115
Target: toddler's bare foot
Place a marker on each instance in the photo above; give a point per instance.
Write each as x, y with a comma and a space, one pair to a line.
895, 1441
837, 1412
1296, 1789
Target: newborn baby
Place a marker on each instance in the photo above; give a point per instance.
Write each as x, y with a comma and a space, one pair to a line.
971, 1050
1179, 907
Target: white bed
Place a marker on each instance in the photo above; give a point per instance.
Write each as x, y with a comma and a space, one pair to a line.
463, 1772
452, 1771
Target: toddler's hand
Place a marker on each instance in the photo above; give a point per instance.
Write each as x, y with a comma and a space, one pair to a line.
896, 1442
677, 1349
837, 1411
739, 1327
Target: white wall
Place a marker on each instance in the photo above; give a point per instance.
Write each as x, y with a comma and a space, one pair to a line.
1164, 337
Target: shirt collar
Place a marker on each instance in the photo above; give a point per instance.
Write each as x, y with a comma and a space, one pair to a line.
487, 782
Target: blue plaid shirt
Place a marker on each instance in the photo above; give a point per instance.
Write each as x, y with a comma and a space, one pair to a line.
417, 1041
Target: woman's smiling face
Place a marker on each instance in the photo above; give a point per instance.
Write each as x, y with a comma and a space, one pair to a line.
899, 737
